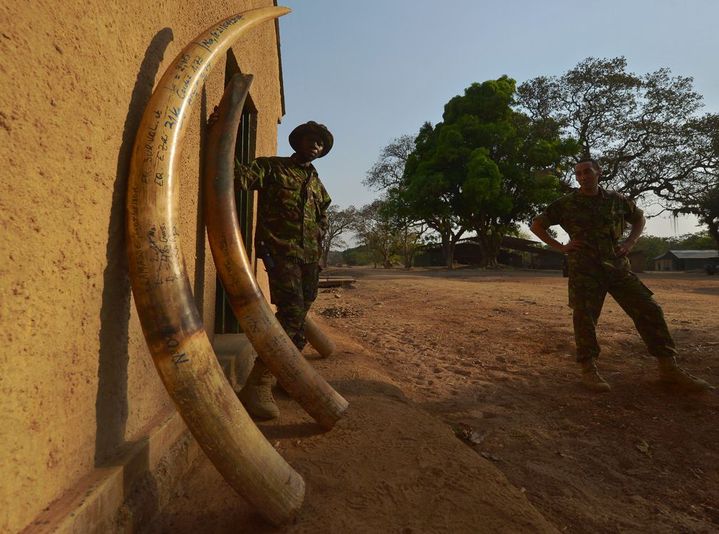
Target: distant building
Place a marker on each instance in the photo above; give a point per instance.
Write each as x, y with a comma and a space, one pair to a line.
531, 254
685, 260
513, 251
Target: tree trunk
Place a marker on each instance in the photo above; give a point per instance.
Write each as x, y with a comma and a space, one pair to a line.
452, 242
406, 256
449, 257
714, 232
489, 245
409, 259
712, 223
447, 250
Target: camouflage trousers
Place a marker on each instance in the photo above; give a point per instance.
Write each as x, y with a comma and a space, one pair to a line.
587, 291
293, 289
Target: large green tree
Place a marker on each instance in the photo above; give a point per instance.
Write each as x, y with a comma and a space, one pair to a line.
485, 168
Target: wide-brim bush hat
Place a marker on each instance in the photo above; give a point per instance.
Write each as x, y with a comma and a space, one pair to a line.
312, 127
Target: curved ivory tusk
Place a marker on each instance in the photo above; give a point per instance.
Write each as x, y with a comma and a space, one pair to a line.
170, 320
318, 339
253, 312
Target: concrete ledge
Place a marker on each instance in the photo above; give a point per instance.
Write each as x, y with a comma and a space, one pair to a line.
336, 281
94, 504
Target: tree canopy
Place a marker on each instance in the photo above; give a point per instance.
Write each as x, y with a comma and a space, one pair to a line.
339, 221
643, 129
485, 167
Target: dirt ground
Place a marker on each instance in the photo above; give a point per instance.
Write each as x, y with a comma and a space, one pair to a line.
467, 416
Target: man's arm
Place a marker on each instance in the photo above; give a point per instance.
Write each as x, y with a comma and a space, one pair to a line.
636, 231
324, 206
248, 177
539, 228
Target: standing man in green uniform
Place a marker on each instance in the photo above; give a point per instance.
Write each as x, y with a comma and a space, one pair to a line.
595, 220
292, 220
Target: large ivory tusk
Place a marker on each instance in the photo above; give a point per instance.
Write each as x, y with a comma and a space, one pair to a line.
318, 339
170, 320
253, 312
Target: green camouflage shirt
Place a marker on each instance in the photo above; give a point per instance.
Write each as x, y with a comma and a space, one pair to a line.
599, 221
292, 207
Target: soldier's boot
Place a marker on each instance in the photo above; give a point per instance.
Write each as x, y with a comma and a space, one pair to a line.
256, 396
591, 379
671, 373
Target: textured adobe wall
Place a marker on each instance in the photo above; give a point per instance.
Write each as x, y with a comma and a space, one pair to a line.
77, 382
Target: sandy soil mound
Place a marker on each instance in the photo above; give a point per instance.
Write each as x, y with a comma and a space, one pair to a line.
388, 466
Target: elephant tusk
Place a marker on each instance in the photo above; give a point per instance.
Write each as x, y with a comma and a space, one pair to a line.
252, 310
318, 339
172, 325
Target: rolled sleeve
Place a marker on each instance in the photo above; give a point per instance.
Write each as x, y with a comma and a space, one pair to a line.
633, 214
550, 216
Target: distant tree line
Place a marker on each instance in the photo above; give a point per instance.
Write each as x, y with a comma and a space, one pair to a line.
380, 245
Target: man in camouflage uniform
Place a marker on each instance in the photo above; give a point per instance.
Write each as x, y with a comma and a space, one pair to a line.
595, 220
292, 215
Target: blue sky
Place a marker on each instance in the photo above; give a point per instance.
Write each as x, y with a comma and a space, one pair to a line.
374, 70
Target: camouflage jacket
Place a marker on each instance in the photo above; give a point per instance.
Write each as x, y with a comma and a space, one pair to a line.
292, 207
599, 221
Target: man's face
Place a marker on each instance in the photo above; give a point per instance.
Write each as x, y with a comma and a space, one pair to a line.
310, 147
588, 177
